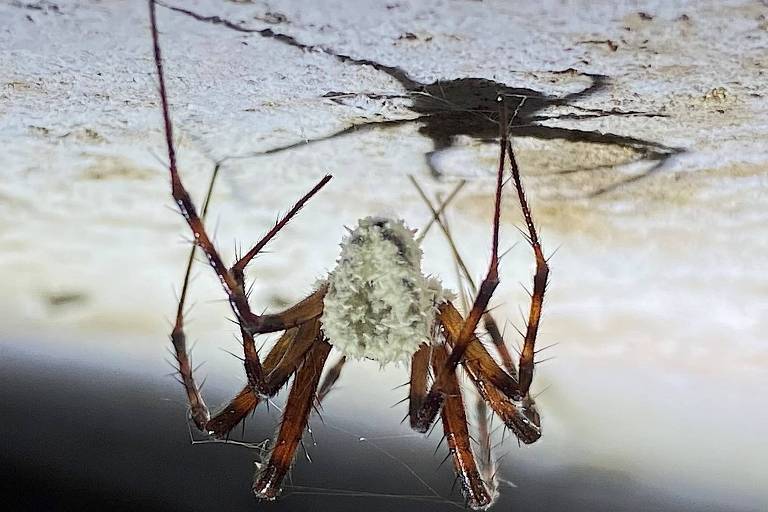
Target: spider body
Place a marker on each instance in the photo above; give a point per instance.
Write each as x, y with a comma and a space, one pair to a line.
379, 305
376, 303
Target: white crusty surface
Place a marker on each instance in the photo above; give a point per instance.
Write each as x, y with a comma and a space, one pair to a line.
379, 305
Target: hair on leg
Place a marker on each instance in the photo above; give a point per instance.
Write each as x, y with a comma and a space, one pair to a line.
296, 413
331, 377
417, 391
198, 410
539, 281
496, 387
281, 362
434, 399
454, 419
231, 279
488, 321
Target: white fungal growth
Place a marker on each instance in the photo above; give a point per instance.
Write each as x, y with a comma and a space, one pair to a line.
379, 305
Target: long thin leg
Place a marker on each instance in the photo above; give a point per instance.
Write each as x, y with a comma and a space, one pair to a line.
491, 281
456, 431
417, 391
522, 416
246, 400
197, 407
295, 417
330, 379
539, 281
431, 405
281, 362
490, 324
518, 412
232, 281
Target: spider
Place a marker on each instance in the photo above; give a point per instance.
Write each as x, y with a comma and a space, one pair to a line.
446, 109
376, 304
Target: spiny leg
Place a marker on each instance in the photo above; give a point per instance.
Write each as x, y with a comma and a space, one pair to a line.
282, 361
454, 419
419, 383
510, 399
279, 364
231, 279
485, 459
432, 403
491, 281
330, 379
295, 416
539, 281
198, 409
309, 308
462, 341
488, 321
497, 388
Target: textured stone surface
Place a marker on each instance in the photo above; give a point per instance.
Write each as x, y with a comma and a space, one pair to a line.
658, 298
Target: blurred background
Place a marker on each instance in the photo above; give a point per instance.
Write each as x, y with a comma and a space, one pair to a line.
654, 398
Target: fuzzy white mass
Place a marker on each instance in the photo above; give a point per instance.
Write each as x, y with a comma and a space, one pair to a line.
379, 305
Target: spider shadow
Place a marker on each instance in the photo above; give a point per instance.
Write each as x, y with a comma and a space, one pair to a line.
448, 109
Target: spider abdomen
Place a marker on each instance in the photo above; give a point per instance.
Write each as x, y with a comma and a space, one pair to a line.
379, 305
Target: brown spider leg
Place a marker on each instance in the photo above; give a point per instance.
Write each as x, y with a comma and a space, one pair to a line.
295, 417
303, 311
431, 404
454, 419
488, 321
417, 391
309, 308
281, 362
232, 414
198, 409
485, 461
539, 281
232, 282
247, 400
330, 379
518, 412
